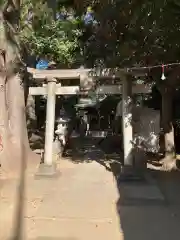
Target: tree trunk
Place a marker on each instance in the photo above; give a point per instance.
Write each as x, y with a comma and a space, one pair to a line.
167, 98
13, 125
3, 121
53, 5
169, 161
16, 114
31, 114
3, 107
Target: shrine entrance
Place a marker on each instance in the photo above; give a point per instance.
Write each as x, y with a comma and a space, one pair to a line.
92, 89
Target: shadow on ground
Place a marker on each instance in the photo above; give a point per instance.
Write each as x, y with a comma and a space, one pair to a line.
147, 209
87, 150
144, 211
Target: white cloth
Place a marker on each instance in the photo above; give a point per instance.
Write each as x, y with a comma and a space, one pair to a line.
119, 109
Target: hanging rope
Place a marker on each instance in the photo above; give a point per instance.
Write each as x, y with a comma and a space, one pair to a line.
153, 66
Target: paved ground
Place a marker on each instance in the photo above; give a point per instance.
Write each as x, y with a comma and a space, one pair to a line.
80, 204
84, 203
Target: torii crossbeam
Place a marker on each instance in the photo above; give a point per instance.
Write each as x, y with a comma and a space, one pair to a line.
53, 88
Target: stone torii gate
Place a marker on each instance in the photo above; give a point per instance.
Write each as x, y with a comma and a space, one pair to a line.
87, 78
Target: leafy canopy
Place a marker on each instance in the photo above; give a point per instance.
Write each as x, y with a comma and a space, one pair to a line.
131, 32
44, 35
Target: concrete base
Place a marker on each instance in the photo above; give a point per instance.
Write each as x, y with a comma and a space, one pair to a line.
129, 173
47, 171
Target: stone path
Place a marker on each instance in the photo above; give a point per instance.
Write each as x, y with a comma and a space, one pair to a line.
80, 204
85, 203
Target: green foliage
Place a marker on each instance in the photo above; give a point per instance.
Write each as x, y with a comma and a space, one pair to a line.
45, 36
137, 32
129, 32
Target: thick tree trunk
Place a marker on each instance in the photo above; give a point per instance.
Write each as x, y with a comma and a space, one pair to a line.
167, 98
16, 114
53, 5
169, 161
3, 122
3, 103
13, 125
31, 114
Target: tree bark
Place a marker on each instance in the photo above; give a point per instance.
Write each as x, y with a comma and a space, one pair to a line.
3, 103
16, 113
12, 115
3, 121
167, 124
31, 114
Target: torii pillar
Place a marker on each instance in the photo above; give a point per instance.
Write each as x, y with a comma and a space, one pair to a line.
127, 120
127, 171
48, 167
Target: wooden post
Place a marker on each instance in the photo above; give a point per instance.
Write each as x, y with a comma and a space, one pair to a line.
127, 120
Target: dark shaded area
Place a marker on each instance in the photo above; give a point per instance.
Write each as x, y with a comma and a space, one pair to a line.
141, 217
86, 149
137, 221
176, 120
102, 116
154, 100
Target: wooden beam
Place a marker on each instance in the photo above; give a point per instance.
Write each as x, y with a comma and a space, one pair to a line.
106, 89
